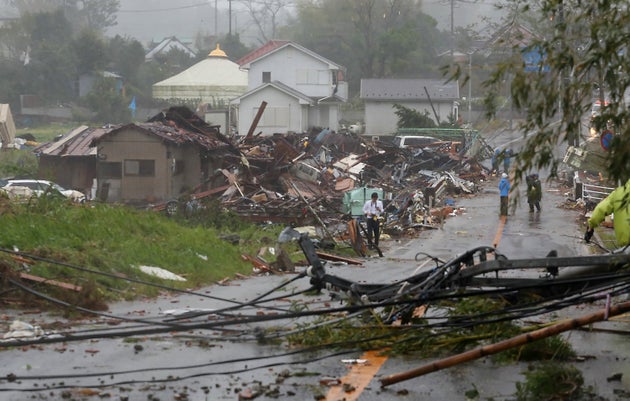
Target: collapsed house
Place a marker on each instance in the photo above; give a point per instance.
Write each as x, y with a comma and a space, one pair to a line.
291, 178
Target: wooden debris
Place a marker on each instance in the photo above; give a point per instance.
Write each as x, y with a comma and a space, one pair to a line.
37, 279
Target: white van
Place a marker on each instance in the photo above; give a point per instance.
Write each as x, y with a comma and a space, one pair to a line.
413, 141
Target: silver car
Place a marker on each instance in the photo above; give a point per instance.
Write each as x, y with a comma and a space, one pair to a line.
40, 187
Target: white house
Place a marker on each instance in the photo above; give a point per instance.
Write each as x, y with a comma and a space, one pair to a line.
300, 88
167, 45
431, 95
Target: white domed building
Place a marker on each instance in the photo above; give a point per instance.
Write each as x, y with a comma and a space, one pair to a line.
213, 81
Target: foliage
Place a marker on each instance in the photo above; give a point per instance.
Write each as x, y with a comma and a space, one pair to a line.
96, 14
551, 381
115, 240
233, 47
90, 52
51, 70
411, 118
266, 15
421, 339
585, 57
125, 57
106, 99
18, 163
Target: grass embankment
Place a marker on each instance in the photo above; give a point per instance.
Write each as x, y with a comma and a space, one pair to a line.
115, 240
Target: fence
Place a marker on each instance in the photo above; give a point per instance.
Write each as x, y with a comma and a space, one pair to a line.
590, 193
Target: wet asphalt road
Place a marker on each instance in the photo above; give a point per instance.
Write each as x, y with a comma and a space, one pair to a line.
206, 367
217, 364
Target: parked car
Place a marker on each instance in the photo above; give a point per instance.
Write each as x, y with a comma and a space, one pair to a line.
413, 141
40, 187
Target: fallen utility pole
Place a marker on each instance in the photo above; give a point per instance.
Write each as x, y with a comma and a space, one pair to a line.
506, 344
257, 118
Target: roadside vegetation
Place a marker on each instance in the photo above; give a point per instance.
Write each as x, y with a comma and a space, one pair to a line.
100, 247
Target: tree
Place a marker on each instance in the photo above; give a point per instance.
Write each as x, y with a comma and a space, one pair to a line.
89, 49
108, 102
94, 14
266, 15
371, 38
584, 56
125, 56
410, 118
98, 14
50, 69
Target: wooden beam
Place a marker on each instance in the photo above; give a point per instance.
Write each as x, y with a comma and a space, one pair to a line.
60, 284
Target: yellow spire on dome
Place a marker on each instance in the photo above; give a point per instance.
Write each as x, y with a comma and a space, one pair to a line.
217, 52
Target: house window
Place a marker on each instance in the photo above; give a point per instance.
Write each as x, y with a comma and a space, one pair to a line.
275, 117
178, 167
112, 170
266, 77
142, 168
312, 77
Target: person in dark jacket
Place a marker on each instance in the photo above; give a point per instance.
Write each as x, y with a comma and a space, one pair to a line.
534, 192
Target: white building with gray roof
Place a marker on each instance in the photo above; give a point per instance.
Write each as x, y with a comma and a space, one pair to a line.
434, 96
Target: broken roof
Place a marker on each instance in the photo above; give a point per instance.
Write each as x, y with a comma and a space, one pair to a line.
170, 133
75, 143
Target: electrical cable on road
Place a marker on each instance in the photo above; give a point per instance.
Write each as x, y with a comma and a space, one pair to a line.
442, 282
117, 277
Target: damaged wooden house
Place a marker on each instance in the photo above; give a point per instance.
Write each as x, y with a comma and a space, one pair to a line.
140, 163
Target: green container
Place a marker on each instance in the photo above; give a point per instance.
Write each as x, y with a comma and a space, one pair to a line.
354, 200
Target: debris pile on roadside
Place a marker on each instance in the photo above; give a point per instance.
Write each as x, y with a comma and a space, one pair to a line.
301, 179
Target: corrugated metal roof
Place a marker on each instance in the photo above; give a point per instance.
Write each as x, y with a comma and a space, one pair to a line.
408, 89
75, 143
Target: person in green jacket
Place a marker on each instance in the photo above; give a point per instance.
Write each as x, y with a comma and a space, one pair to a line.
617, 203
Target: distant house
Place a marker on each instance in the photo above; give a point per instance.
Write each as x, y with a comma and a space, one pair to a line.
300, 88
424, 95
86, 81
166, 46
157, 160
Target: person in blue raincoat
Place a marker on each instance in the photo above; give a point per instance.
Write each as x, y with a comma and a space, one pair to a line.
504, 191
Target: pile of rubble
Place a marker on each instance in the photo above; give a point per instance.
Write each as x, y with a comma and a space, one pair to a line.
301, 179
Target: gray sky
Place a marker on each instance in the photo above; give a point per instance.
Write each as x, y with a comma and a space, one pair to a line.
148, 20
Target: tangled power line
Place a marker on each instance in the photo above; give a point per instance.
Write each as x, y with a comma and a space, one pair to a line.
267, 319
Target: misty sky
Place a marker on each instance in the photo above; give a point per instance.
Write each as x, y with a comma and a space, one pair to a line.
153, 20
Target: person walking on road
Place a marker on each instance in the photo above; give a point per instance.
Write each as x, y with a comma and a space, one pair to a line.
372, 211
507, 160
534, 192
504, 191
495, 161
617, 203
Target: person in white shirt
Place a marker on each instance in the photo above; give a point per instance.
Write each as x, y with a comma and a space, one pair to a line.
372, 210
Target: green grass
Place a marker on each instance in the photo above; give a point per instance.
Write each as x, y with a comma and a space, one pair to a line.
47, 132
116, 240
